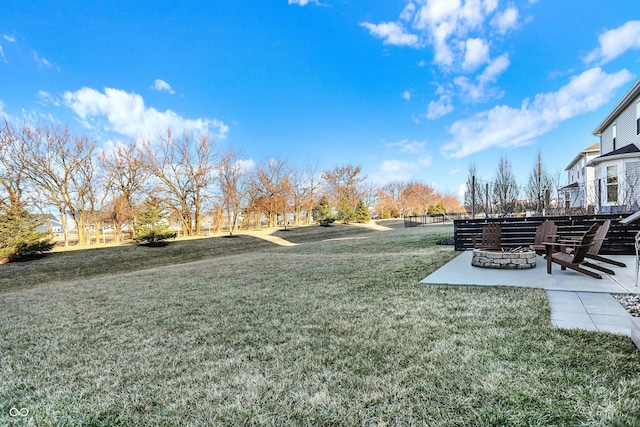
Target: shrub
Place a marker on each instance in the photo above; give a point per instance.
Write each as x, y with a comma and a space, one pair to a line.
19, 234
323, 212
362, 212
346, 212
151, 225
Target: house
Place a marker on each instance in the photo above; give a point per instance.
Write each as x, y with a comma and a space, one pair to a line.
579, 194
617, 168
50, 224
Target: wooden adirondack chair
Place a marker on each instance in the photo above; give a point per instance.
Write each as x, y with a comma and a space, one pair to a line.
573, 260
545, 232
490, 239
593, 252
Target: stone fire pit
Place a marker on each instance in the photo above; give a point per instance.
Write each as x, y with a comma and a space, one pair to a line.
514, 259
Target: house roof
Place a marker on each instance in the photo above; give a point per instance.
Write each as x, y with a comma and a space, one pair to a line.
572, 185
624, 103
576, 159
625, 151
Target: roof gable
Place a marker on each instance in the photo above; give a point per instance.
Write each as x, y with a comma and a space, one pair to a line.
626, 151
620, 106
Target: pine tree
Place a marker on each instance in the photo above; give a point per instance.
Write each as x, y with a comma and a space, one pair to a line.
362, 212
151, 225
323, 212
346, 212
19, 234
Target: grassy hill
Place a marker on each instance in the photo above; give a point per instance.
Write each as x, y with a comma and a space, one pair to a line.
333, 331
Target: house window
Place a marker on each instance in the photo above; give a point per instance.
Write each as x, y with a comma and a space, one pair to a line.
638, 118
612, 184
632, 176
615, 133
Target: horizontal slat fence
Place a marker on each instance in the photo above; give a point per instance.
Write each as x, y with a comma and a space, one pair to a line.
521, 231
422, 220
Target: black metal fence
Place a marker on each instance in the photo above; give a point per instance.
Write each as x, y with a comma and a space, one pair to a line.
521, 231
422, 220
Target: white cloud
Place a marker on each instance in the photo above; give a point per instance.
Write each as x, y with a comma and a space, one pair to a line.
506, 20
614, 43
246, 165
2, 55
406, 95
392, 33
396, 170
47, 98
462, 188
125, 113
425, 160
503, 126
476, 54
477, 91
9, 38
443, 23
408, 11
303, 2
461, 35
439, 108
161, 85
42, 62
407, 146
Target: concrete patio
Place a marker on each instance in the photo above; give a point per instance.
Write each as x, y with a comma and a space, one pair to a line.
576, 300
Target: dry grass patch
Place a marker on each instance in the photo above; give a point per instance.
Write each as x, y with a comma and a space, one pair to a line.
330, 332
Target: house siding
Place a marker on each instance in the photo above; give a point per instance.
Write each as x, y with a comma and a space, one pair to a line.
583, 195
626, 129
624, 117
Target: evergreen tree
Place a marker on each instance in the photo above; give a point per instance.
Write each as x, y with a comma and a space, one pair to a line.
19, 235
323, 212
362, 212
346, 212
151, 225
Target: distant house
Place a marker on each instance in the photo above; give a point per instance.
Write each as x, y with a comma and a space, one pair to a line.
50, 224
617, 168
579, 194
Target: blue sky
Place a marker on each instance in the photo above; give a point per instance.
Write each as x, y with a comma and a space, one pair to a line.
409, 90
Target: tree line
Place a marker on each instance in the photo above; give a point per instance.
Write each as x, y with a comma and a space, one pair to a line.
502, 196
46, 167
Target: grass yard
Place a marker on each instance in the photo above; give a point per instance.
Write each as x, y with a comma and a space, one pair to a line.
335, 331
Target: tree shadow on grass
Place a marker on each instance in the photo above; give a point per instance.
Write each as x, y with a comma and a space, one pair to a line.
27, 258
155, 244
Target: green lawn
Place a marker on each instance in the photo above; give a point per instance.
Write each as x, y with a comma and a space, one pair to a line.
335, 331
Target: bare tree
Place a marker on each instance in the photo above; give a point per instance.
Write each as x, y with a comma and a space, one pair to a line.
183, 170
273, 189
505, 188
473, 192
538, 188
304, 184
344, 182
57, 163
126, 178
389, 201
13, 179
233, 187
418, 198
